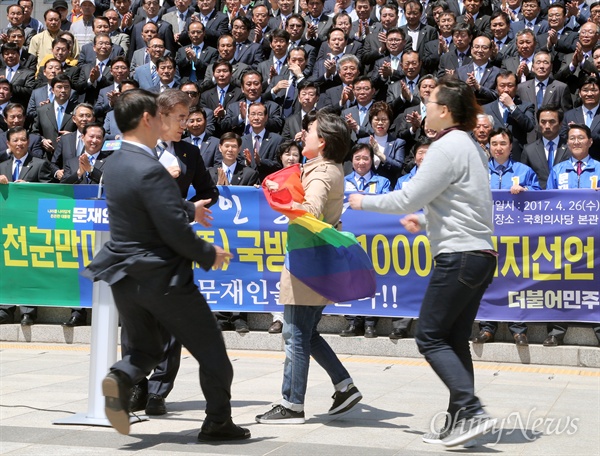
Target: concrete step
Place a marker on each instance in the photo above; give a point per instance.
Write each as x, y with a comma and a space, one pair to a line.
573, 353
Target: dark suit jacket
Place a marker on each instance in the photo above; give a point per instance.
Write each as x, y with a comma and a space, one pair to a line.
534, 156
426, 34
249, 53
34, 149
27, 60
210, 98
268, 152
101, 107
324, 25
331, 99
165, 33
481, 26
45, 122
71, 71
354, 47
22, 83
207, 57
231, 120
449, 61
217, 25
193, 172
65, 150
156, 249
209, 150
555, 93
72, 165
520, 122
395, 152
541, 26
487, 85
292, 126
575, 79
243, 175
576, 115
90, 92
33, 170
311, 58
371, 49
88, 55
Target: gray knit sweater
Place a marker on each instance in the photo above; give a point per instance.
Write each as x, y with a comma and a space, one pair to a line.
453, 187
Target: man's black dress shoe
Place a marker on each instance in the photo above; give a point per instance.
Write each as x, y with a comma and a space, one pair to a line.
139, 398
116, 388
276, 327
74, 321
483, 337
5, 319
370, 332
552, 341
351, 331
156, 405
241, 326
26, 320
521, 340
398, 334
215, 432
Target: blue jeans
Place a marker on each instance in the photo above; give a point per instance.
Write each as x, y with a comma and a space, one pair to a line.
301, 341
445, 322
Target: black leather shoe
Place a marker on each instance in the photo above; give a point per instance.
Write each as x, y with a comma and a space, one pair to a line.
26, 320
351, 331
552, 341
483, 337
215, 432
116, 388
74, 321
370, 332
156, 405
5, 319
241, 326
397, 334
521, 340
225, 325
276, 327
139, 398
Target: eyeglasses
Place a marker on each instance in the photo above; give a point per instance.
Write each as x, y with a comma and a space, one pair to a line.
191, 94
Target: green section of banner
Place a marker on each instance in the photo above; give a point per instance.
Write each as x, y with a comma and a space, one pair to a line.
37, 267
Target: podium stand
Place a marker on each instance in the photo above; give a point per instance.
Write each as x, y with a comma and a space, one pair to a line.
105, 322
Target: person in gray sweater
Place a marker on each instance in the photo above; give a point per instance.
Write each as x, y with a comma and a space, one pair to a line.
452, 186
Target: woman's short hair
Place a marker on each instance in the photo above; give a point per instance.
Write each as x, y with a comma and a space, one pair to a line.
285, 147
380, 106
335, 132
460, 100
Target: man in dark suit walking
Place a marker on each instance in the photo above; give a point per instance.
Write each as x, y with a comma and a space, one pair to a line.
148, 264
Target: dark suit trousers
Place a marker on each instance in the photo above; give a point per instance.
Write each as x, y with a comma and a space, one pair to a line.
514, 327
184, 313
162, 380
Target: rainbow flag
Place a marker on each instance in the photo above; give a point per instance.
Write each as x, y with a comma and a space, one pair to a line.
330, 262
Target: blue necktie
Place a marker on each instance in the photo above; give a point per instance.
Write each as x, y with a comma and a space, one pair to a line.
228, 174
505, 116
363, 183
9, 75
589, 118
193, 76
550, 154
540, 94
222, 97
160, 148
257, 143
17, 170
196, 140
154, 74
290, 96
59, 117
362, 112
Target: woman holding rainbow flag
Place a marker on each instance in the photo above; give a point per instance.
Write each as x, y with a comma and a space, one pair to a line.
321, 196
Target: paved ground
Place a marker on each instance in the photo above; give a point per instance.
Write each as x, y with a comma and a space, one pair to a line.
544, 410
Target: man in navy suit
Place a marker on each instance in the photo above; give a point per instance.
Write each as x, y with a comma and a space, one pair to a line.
96, 75
510, 112
21, 79
215, 23
148, 264
532, 18
459, 53
193, 60
260, 146
480, 75
419, 32
71, 144
308, 96
119, 71
245, 51
165, 31
14, 115
550, 149
236, 116
588, 114
208, 145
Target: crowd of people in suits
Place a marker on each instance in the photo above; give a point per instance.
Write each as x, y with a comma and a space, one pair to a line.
254, 70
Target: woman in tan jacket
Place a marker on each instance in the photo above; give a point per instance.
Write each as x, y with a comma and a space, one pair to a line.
325, 145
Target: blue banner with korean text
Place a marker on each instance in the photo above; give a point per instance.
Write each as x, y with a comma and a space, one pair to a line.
547, 266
